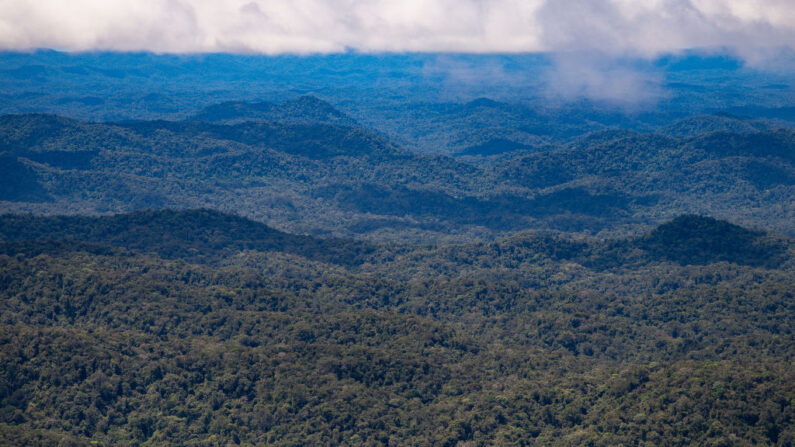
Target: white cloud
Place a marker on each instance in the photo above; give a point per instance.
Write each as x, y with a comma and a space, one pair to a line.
648, 28
603, 79
588, 37
318, 26
269, 26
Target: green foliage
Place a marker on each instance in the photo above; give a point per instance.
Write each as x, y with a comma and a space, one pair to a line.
701, 240
195, 235
199, 328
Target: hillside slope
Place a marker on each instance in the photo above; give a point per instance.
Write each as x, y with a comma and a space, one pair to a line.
347, 181
198, 327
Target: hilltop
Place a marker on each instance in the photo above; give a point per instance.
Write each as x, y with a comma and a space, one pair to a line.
302, 110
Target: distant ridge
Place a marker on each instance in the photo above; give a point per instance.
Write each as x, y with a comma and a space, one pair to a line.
775, 143
494, 146
702, 124
786, 113
688, 239
302, 110
66, 142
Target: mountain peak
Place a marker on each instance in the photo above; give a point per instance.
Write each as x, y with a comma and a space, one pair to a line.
694, 239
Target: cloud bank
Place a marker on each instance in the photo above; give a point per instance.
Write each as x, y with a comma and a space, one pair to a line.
752, 29
588, 39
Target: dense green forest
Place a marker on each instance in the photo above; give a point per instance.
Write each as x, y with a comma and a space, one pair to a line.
200, 328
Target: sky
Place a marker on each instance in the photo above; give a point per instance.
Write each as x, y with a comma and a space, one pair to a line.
754, 30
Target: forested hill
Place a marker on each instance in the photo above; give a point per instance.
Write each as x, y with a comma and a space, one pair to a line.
305, 110
701, 240
321, 177
180, 327
208, 236
703, 124
43, 134
194, 235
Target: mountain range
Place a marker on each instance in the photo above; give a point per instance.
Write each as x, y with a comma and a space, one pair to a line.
395, 249
326, 174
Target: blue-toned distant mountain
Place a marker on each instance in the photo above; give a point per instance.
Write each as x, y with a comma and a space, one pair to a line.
432, 103
314, 175
303, 110
699, 125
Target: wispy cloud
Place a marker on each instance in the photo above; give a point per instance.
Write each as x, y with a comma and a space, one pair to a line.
599, 77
